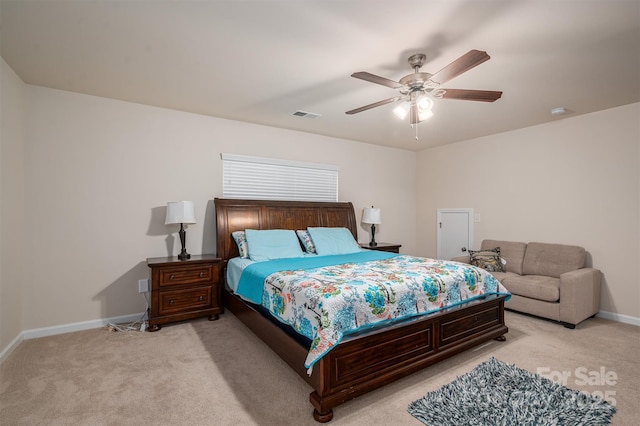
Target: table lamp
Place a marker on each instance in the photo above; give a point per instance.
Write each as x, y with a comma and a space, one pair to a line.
372, 215
181, 212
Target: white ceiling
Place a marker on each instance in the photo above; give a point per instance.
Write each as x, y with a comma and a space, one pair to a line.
260, 61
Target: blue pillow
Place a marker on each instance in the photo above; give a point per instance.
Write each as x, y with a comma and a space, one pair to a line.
272, 244
333, 241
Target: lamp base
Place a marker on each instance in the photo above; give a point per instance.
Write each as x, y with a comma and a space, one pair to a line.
183, 239
373, 243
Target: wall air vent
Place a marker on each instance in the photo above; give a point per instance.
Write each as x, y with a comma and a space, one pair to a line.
306, 114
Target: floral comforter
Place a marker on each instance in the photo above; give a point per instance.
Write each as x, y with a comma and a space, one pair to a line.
328, 302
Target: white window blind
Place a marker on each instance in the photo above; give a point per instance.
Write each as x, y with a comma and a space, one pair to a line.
273, 179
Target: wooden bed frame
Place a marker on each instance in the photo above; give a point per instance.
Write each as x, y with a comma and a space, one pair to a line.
363, 361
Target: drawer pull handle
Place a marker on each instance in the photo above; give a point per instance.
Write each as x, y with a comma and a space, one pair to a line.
201, 274
476, 318
171, 276
201, 298
171, 302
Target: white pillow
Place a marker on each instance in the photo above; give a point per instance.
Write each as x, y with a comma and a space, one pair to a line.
306, 241
241, 241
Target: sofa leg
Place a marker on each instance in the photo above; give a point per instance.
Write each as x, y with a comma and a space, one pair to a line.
568, 325
593, 316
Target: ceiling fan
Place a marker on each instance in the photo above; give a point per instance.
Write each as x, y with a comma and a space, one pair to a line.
418, 89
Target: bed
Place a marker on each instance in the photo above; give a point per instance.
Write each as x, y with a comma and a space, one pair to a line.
364, 360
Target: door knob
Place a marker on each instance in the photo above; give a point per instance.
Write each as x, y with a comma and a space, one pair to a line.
463, 249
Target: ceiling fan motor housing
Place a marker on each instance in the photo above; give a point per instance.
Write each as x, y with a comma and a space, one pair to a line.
417, 61
416, 81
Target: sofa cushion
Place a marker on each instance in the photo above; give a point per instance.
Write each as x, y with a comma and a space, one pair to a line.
552, 259
500, 276
512, 252
488, 260
534, 287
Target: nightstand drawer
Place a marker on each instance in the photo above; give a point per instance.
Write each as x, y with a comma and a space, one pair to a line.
197, 274
174, 301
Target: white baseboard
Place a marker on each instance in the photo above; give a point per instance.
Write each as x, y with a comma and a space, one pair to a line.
619, 317
11, 347
78, 326
66, 328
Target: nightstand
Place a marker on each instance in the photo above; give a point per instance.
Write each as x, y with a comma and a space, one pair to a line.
390, 247
184, 289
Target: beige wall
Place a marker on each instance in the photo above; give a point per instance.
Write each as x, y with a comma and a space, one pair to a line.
572, 181
12, 253
85, 181
99, 174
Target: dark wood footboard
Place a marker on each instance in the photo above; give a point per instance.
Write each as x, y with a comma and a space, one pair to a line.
365, 361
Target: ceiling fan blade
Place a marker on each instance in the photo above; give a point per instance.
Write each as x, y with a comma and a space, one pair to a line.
373, 105
464, 63
363, 75
472, 95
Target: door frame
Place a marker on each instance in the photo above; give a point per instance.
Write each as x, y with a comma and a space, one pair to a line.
469, 212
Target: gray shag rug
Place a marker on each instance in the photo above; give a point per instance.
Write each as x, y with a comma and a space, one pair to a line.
496, 393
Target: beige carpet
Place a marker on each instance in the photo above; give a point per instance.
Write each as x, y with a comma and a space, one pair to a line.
219, 373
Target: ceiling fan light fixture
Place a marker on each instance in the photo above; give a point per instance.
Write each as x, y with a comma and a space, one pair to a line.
402, 110
423, 115
424, 103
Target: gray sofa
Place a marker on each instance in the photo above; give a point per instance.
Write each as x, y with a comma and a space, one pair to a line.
547, 280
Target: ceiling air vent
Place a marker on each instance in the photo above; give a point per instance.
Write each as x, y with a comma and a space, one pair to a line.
306, 114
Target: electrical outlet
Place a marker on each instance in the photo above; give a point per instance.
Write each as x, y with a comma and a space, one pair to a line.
143, 285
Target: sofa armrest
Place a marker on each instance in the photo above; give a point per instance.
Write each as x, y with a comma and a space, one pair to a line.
579, 294
462, 259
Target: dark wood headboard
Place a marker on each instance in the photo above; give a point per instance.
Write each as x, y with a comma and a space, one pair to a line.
238, 215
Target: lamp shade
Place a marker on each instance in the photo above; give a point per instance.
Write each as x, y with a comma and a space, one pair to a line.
180, 212
371, 215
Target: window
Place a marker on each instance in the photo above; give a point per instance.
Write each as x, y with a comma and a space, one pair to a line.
273, 179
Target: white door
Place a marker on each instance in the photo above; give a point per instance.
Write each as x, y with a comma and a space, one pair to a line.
455, 232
